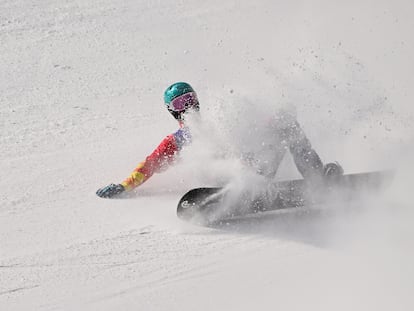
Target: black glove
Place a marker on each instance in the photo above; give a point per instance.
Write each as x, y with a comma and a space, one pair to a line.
332, 169
110, 191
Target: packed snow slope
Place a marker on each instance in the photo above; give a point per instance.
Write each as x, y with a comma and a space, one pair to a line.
81, 105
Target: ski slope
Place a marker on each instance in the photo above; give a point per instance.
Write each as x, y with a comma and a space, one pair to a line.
81, 86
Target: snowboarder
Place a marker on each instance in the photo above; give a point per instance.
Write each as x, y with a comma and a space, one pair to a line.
181, 99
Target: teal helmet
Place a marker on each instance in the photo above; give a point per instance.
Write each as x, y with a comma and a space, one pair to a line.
179, 97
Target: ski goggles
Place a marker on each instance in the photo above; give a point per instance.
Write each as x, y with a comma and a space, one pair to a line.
183, 102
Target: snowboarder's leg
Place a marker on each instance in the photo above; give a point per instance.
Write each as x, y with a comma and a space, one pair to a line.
307, 161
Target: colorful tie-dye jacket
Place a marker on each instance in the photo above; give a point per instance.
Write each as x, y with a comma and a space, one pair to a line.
159, 159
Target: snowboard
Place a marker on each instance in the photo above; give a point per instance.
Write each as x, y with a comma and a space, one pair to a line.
211, 204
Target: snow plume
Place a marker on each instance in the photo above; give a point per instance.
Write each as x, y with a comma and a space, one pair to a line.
342, 110
350, 118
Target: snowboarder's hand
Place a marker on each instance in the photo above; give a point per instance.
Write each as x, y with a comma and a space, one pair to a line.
332, 169
110, 191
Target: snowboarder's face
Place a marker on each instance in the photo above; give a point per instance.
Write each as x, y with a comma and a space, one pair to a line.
179, 106
180, 116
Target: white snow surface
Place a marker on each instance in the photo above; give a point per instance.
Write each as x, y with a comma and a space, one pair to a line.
81, 86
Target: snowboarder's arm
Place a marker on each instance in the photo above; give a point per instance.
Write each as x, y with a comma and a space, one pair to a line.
160, 158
